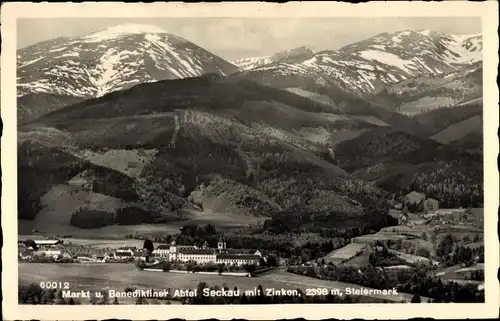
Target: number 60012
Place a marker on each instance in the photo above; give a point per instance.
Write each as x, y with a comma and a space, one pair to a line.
54, 285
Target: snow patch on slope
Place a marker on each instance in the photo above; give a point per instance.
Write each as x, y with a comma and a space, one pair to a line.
119, 31
388, 59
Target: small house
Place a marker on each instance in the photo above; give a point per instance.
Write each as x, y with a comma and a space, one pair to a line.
47, 243
414, 198
431, 205
124, 253
49, 253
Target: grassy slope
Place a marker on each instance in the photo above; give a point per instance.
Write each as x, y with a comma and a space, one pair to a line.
40, 168
229, 128
246, 144
33, 106
442, 118
457, 131
347, 102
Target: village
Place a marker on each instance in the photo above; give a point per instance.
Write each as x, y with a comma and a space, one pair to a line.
447, 243
58, 251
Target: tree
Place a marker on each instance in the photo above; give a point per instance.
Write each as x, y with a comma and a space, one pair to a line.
261, 295
271, 261
104, 300
243, 299
422, 251
446, 246
148, 245
200, 298
32, 244
93, 298
416, 299
250, 268
59, 298
433, 237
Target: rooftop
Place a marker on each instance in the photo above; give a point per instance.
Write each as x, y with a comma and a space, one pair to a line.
196, 251
226, 256
240, 251
119, 253
47, 241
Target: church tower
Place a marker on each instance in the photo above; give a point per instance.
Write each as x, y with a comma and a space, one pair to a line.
221, 245
172, 255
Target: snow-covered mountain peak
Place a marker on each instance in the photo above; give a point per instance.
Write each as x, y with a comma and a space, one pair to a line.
120, 31
112, 59
427, 32
370, 65
289, 55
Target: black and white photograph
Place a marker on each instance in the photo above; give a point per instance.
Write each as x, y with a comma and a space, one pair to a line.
251, 160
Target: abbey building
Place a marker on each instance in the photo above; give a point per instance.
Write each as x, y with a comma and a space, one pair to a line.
205, 254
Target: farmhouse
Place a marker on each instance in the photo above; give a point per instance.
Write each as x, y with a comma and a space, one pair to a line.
49, 253
35, 244
452, 215
204, 255
373, 239
101, 258
401, 267
430, 205
124, 253
81, 181
414, 198
47, 243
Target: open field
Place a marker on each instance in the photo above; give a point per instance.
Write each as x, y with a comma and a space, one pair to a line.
59, 215
425, 103
459, 130
412, 259
359, 260
345, 253
128, 162
120, 276
457, 273
373, 238
98, 243
110, 232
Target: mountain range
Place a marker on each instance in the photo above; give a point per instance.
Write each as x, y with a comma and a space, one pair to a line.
370, 65
61, 71
168, 127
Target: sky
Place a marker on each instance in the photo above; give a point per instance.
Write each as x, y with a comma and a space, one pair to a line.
235, 38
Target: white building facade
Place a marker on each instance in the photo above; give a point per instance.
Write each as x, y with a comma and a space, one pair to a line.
206, 255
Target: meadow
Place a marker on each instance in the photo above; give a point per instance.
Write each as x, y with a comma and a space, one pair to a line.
345, 253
